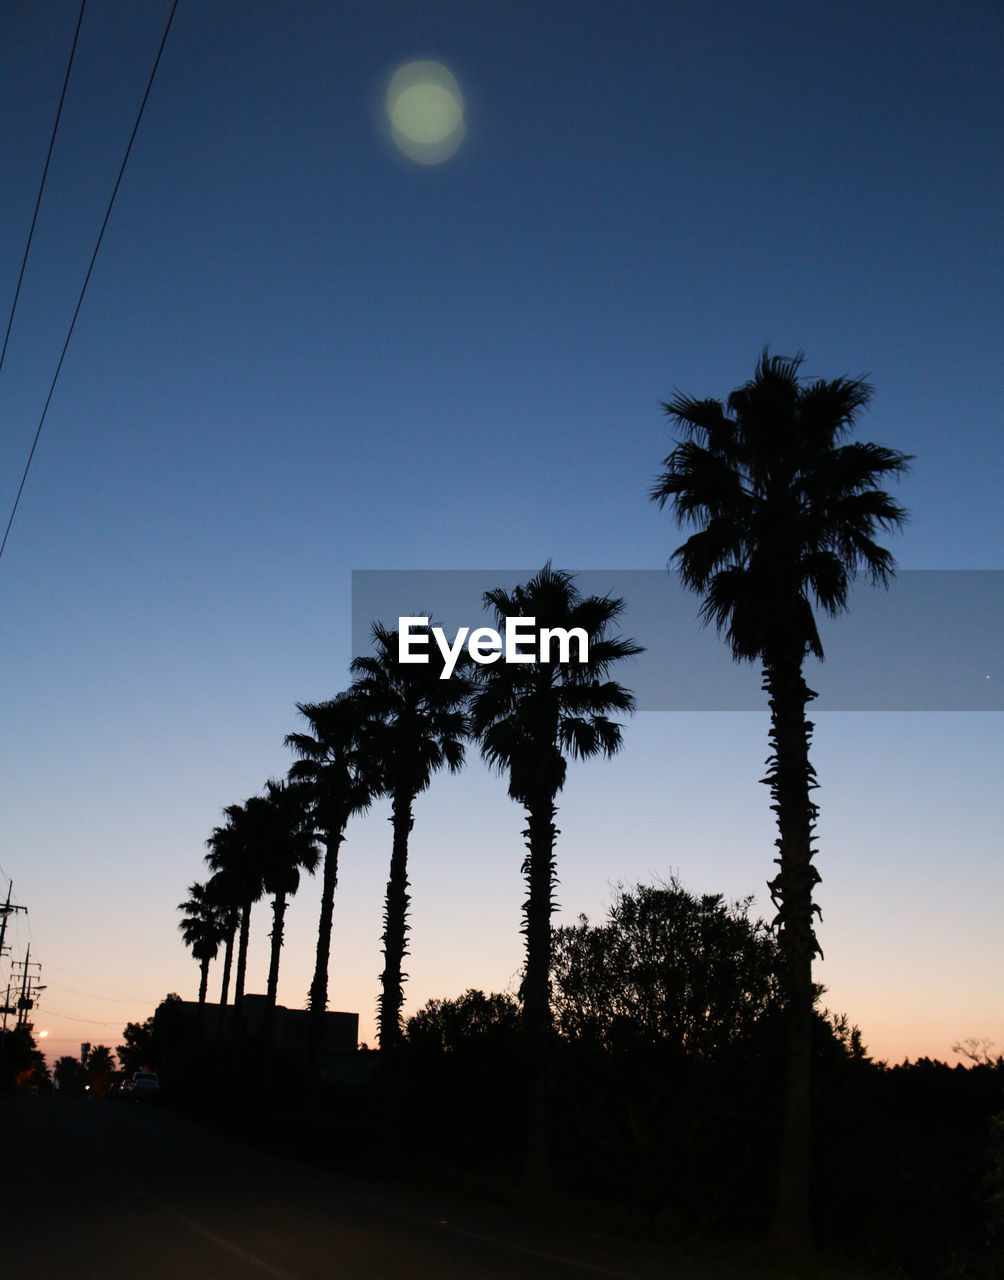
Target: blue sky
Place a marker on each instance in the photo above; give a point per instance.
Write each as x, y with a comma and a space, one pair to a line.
302, 354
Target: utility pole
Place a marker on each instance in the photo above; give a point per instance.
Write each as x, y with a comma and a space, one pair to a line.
25, 1001
7, 1008
6, 910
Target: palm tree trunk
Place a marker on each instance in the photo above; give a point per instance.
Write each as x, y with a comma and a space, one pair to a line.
228, 956
200, 1017
395, 919
242, 957
791, 779
278, 915
317, 1001
221, 1013
538, 868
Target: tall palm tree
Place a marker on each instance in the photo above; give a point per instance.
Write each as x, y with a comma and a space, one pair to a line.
100, 1061
339, 771
223, 891
785, 508
234, 853
202, 929
416, 725
283, 833
529, 717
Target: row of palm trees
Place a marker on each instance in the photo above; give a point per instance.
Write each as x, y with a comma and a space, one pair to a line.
396, 726
786, 510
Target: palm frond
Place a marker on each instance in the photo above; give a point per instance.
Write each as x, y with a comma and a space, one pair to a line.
784, 508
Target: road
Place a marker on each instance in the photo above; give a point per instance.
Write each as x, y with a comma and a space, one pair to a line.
104, 1191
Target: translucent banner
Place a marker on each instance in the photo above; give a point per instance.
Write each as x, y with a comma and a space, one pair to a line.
932, 642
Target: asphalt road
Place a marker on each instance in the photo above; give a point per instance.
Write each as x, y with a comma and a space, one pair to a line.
105, 1191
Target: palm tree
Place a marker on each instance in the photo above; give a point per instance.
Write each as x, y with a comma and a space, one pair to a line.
202, 928
339, 773
234, 854
100, 1061
283, 834
784, 508
224, 893
415, 725
529, 718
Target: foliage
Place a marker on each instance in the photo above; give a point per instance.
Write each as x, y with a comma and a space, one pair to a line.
906, 1164
21, 1060
451, 1026
147, 1045
530, 716
666, 967
203, 926
137, 1051
70, 1076
461, 1097
100, 1061
234, 857
334, 761
283, 836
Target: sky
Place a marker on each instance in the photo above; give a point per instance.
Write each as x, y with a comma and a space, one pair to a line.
304, 353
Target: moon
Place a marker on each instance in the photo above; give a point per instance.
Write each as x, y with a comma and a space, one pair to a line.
426, 112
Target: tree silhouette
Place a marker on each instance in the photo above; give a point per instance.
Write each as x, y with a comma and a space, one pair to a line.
337, 768
783, 510
666, 967
223, 891
416, 725
234, 852
283, 833
203, 929
69, 1076
446, 1026
21, 1057
529, 716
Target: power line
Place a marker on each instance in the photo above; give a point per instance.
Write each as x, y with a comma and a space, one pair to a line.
41, 185
94, 1022
78, 977
86, 995
83, 289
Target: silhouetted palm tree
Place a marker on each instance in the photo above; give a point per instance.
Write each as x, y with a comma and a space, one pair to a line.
223, 891
337, 768
784, 509
416, 725
283, 832
100, 1061
202, 929
529, 718
234, 852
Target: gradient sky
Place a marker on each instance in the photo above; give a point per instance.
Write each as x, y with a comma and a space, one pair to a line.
301, 354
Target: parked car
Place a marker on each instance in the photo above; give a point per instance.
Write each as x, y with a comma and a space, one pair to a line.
144, 1085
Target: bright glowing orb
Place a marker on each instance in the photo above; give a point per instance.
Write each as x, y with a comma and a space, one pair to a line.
426, 112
